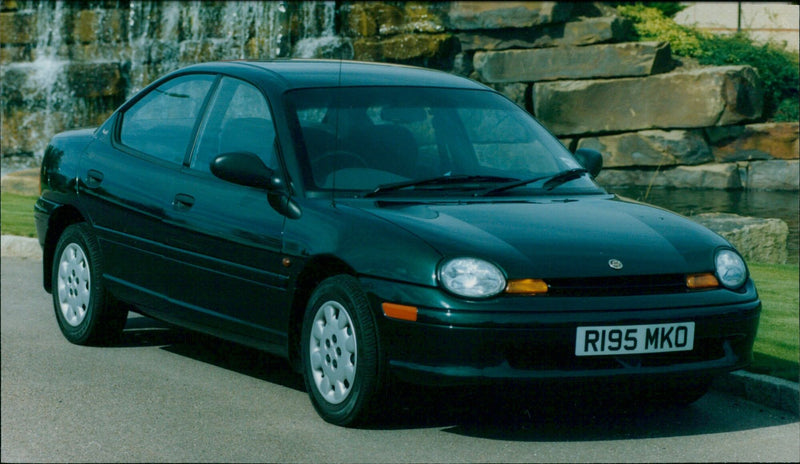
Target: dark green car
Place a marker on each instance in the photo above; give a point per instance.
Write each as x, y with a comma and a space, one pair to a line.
375, 222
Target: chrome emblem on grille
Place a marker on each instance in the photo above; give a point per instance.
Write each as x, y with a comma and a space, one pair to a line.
615, 264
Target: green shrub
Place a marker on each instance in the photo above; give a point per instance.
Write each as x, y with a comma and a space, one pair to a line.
650, 24
777, 67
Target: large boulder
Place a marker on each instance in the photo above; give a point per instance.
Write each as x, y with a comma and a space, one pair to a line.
585, 31
368, 19
773, 175
703, 97
757, 239
712, 176
605, 60
650, 148
406, 48
500, 15
18, 27
755, 141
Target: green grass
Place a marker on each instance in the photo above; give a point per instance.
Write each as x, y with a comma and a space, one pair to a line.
16, 215
777, 347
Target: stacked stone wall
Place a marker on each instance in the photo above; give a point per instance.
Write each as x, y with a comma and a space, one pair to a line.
657, 121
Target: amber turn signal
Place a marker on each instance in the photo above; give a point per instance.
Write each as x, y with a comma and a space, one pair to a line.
527, 286
698, 281
398, 311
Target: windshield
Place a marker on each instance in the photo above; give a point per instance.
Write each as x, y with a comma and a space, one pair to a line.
411, 140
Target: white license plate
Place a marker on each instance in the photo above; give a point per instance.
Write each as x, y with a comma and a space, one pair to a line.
633, 339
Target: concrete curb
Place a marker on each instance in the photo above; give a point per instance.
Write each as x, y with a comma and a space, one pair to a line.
20, 247
762, 389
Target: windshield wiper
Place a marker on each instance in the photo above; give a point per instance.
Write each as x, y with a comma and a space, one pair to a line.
552, 181
440, 180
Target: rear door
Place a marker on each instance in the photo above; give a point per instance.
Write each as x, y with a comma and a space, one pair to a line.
126, 176
225, 238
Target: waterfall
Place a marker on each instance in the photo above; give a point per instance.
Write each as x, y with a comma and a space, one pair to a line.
319, 33
58, 82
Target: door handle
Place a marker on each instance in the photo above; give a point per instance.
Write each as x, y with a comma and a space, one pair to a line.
93, 178
183, 201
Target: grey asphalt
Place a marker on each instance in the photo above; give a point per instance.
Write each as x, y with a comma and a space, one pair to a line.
168, 395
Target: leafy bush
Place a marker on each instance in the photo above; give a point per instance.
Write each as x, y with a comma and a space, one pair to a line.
777, 67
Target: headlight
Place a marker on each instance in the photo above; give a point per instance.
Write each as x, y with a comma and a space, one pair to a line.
471, 277
731, 270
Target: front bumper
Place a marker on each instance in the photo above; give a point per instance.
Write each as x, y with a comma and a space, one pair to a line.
533, 338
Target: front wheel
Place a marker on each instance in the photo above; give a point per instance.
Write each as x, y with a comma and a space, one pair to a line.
342, 365
86, 314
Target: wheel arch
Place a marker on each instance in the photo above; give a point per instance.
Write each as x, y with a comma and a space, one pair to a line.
60, 219
315, 271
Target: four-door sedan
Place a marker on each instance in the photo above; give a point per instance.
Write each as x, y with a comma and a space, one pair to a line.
373, 222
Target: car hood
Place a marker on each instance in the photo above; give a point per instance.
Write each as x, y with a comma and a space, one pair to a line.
560, 237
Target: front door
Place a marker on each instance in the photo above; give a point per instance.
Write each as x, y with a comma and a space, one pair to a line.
225, 238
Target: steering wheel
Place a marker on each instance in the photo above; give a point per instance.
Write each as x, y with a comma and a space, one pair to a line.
334, 157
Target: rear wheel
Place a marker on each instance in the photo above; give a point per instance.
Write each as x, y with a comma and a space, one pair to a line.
342, 365
86, 314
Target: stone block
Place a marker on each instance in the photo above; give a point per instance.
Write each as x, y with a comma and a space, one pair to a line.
515, 91
368, 19
713, 176
404, 47
773, 175
93, 80
33, 85
500, 15
12, 54
710, 176
755, 141
196, 51
589, 31
18, 28
759, 240
650, 148
593, 61
26, 131
702, 97
98, 25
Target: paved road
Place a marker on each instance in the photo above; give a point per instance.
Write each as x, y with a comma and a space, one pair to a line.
168, 395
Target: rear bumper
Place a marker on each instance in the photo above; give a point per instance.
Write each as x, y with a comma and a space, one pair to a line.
491, 346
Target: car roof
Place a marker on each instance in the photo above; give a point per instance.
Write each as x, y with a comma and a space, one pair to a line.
311, 73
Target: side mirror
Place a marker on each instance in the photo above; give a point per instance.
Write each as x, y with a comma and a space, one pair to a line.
244, 168
590, 159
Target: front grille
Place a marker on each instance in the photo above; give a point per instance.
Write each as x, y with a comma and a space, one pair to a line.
618, 286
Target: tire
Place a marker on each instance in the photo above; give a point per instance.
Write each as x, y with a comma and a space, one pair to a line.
342, 364
86, 313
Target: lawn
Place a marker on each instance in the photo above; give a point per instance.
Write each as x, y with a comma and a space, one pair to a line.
777, 348
16, 215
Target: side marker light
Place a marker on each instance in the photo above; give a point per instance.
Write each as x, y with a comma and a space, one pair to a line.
398, 311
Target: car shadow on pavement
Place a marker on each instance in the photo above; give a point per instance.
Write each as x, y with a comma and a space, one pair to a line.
499, 412
565, 413
141, 331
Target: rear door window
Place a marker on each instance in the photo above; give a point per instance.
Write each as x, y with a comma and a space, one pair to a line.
161, 124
